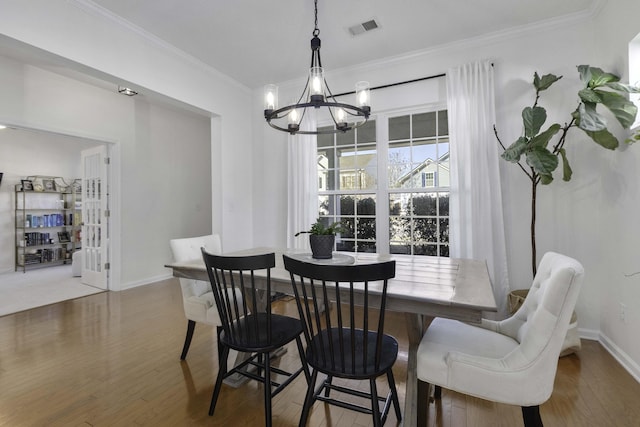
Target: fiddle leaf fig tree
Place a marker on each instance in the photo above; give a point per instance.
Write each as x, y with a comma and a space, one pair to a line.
543, 148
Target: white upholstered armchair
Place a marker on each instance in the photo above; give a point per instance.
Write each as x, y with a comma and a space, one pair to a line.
513, 361
197, 298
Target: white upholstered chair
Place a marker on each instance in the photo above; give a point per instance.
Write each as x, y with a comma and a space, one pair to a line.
197, 297
513, 361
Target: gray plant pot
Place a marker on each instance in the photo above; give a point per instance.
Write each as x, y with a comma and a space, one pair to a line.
322, 245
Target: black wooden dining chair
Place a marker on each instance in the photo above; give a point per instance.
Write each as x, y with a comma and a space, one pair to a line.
249, 326
348, 340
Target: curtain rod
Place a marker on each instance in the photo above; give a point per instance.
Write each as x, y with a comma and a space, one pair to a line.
435, 76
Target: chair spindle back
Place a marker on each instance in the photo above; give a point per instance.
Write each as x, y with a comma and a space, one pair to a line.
348, 338
244, 319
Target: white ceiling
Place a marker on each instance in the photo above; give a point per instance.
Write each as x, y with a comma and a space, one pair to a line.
258, 41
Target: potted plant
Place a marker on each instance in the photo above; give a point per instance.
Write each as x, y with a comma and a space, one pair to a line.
542, 156
322, 238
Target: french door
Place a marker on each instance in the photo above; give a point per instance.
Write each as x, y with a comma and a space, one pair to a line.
95, 225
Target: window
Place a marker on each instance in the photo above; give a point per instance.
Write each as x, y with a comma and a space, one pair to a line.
351, 171
418, 204
400, 159
428, 179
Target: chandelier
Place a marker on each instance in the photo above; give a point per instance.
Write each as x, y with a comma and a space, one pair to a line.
316, 94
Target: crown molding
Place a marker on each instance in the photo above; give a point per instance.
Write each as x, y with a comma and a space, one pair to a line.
96, 10
482, 40
469, 43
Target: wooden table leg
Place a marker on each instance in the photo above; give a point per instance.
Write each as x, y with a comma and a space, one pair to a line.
417, 324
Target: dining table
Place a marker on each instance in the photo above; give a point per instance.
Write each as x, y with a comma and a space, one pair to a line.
424, 287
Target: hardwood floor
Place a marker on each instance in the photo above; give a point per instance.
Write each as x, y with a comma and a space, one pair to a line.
112, 359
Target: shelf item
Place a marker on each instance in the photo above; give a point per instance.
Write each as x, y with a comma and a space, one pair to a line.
47, 225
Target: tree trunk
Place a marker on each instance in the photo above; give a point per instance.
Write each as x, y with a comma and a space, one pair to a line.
534, 186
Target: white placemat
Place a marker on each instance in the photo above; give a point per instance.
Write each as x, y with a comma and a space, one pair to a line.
337, 259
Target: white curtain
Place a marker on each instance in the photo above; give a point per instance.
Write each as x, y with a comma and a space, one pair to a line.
302, 194
476, 218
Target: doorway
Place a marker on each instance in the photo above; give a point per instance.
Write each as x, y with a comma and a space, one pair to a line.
27, 151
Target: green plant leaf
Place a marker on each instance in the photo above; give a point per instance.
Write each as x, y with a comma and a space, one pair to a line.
546, 179
543, 139
589, 119
542, 160
515, 150
604, 138
585, 74
633, 138
533, 119
576, 115
545, 82
566, 169
621, 87
624, 110
589, 95
601, 78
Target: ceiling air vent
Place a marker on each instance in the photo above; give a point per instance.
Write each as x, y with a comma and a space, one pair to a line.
363, 27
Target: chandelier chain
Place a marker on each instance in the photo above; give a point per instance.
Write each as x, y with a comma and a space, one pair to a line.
316, 30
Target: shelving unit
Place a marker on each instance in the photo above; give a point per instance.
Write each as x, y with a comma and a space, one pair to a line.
47, 227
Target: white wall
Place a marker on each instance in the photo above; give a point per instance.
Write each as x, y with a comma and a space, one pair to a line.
166, 186
619, 202
164, 163
590, 218
91, 39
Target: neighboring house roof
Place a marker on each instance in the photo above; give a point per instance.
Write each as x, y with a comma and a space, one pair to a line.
444, 164
360, 161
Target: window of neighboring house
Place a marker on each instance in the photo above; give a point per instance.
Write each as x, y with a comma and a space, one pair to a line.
401, 159
428, 179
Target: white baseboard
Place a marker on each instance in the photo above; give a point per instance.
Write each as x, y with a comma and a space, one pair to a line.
146, 281
627, 363
589, 334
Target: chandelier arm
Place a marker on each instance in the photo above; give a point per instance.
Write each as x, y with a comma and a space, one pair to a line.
316, 132
304, 111
304, 91
355, 111
328, 90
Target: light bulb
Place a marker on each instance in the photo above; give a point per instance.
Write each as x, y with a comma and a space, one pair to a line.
363, 97
316, 80
293, 116
270, 101
362, 100
341, 116
270, 97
